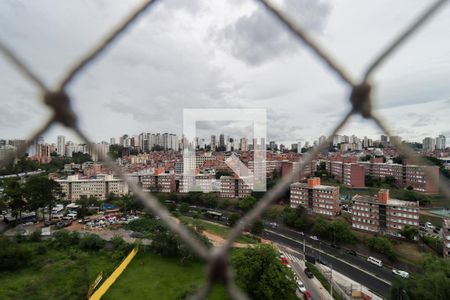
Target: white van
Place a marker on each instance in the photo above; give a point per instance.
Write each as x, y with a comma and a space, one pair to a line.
375, 261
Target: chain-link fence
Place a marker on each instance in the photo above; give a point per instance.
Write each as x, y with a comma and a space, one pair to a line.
360, 102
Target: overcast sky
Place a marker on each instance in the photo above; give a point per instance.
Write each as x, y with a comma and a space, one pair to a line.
231, 54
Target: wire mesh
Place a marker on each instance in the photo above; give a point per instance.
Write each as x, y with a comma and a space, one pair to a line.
218, 270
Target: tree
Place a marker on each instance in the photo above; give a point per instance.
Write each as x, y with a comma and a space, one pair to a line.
409, 232
261, 275
247, 203
391, 181
257, 227
341, 232
115, 151
433, 282
295, 217
80, 157
41, 192
14, 194
321, 228
184, 208
233, 219
382, 245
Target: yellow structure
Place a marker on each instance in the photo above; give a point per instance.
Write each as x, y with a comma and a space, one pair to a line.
111, 279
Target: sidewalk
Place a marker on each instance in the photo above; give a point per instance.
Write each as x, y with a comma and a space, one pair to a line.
346, 283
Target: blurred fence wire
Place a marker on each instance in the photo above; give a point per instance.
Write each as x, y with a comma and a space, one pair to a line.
217, 259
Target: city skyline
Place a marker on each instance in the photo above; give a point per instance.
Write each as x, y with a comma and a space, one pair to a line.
139, 84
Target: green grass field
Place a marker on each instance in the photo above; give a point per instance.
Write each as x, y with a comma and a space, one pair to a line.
150, 276
56, 274
219, 230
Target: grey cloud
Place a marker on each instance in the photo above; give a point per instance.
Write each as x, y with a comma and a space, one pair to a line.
259, 37
123, 108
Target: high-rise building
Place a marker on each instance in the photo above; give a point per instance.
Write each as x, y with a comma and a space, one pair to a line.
213, 144
61, 145
244, 144
222, 140
322, 139
272, 146
428, 144
384, 138
299, 147
112, 141
440, 142
395, 139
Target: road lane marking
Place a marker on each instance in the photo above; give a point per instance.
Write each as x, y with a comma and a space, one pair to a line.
337, 258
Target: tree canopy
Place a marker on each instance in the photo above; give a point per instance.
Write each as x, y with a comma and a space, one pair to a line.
260, 273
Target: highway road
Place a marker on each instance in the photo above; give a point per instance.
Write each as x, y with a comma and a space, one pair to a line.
375, 278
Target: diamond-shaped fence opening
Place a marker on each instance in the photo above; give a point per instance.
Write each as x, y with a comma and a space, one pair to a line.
218, 270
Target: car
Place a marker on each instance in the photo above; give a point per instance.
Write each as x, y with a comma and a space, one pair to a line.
351, 252
301, 233
335, 246
400, 273
273, 224
308, 273
301, 286
284, 261
50, 222
307, 295
313, 237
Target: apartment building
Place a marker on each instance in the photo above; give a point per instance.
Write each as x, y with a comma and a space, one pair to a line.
316, 198
405, 175
350, 174
381, 214
288, 166
231, 187
353, 175
160, 183
201, 182
446, 237
100, 187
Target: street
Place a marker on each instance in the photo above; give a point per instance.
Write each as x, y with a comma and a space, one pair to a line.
375, 278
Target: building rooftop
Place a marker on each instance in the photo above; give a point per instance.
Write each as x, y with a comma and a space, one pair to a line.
391, 202
318, 187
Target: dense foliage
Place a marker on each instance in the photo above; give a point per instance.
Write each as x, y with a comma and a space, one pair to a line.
382, 245
260, 273
164, 242
430, 284
337, 231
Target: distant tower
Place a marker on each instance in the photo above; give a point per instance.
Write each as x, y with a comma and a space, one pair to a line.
61, 145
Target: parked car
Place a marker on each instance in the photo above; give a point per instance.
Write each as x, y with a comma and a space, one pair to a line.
400, 273
284, 260
301, 286
313, 237
308, 273
50, 222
